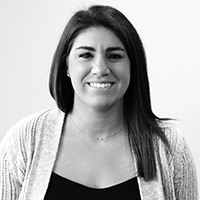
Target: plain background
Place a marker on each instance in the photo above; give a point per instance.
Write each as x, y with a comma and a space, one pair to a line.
170, 31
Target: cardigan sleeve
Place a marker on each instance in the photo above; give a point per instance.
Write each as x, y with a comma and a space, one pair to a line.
11, 167
185, 177
16, 152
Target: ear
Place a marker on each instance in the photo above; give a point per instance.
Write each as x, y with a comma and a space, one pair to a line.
68, 74
67, 71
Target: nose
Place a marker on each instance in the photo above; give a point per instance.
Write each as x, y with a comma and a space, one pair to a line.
100, 67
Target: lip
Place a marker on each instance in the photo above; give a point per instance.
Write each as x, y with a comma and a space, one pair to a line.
107, 85
102, 81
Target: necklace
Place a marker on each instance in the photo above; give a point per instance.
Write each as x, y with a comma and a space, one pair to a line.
101, 138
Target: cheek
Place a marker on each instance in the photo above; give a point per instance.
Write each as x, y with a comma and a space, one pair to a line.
125, 75
76, 69
77, 76
126, 80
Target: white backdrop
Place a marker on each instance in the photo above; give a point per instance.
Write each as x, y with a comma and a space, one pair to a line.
170, 30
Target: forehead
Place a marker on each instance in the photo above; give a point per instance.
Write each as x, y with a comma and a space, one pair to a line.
97, 36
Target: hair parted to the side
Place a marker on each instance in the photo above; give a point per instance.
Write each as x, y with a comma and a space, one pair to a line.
141, 123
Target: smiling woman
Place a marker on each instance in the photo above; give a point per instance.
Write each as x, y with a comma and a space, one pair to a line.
99, 69
103, 139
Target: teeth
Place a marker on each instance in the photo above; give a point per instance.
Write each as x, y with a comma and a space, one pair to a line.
100, 85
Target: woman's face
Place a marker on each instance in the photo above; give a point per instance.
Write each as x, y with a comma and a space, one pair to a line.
99, 68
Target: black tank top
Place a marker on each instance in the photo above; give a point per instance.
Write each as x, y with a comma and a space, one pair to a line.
62, 188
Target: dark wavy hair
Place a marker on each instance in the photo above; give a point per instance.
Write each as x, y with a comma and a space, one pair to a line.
141, 123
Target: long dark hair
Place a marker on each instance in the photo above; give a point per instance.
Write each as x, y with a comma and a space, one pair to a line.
141, 123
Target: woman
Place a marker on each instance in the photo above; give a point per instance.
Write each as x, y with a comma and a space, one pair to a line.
104, 138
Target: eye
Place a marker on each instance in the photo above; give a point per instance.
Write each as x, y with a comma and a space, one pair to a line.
86, 55
114, 56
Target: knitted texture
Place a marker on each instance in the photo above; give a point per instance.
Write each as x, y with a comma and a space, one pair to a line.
28, 153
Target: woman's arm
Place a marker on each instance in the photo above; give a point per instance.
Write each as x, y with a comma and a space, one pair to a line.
185, 178
10, 185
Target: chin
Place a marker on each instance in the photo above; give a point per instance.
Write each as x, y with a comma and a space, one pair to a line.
104, 105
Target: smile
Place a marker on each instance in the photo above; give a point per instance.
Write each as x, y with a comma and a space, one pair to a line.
100, 85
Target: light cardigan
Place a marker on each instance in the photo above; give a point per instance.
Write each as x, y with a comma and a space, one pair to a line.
29, 149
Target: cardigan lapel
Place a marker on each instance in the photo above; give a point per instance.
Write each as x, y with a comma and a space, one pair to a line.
47, 144
152, 190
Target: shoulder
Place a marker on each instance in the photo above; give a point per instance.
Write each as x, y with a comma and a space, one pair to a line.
174, 136
17, 146
32, 119
180, 160
179, 154
36, 119
177, 162
25, 130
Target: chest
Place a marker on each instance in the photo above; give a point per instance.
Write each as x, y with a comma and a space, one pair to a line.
95, 165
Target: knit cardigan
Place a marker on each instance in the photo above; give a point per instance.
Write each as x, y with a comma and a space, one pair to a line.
28, 153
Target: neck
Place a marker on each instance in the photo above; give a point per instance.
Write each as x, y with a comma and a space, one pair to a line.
99, 123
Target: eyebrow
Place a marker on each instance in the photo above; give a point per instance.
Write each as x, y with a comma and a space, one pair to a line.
109, 49
86, 48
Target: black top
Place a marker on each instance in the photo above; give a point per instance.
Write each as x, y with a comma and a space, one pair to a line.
62, 188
